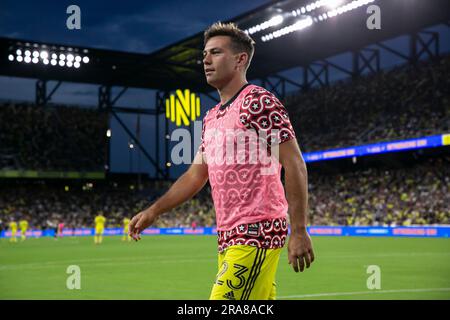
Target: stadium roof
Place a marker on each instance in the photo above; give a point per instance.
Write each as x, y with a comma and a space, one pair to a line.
179, 65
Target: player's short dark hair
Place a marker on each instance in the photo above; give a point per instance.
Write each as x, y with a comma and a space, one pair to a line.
240, 41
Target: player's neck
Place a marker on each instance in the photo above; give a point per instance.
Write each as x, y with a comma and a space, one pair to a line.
230, 90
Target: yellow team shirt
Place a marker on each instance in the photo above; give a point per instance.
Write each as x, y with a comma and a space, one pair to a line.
13, 226
100, 221
23, 224
126, 222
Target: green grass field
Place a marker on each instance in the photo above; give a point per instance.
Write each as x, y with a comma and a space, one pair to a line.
184, 267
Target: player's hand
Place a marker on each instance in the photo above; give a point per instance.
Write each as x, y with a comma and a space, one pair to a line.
139, 223
300, 250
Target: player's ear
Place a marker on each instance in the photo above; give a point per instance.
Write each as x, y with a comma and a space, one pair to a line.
241, 60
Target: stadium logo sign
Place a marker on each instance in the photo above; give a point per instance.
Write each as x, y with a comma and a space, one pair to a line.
182, 107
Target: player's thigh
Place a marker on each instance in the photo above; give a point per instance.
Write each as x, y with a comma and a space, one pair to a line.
246, 272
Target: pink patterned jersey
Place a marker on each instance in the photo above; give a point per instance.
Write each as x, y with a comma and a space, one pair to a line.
246, 186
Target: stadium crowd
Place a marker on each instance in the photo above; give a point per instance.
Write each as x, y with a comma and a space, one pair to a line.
404, 102
52, 138
415, 195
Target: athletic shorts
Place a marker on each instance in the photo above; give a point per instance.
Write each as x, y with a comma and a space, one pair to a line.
99, 230
246, 273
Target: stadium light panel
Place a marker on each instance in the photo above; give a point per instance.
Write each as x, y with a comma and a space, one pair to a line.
333, 3
274, 21
333, 10
48, 54
108, 133
299, 25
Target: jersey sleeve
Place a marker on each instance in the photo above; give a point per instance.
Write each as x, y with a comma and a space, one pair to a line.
263, 112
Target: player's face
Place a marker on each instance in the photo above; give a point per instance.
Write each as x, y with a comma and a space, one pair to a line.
219, 61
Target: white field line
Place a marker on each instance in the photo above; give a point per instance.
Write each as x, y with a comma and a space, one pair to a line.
356, 293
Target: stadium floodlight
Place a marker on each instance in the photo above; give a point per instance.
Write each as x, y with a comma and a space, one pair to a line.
333, 3
274, 21
48, 54
348, 7
131, 145
310, 7
44, 55
108, 133
299, 25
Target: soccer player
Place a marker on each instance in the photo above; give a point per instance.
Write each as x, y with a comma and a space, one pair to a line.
13, 228
99, 228
126, 236
60, 228
249, 198
23, 224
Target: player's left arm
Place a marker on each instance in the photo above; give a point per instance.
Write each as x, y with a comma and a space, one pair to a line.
300, 249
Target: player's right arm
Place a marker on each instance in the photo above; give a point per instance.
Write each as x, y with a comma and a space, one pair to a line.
188, 185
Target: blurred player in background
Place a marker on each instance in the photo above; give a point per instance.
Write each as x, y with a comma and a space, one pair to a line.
13, 228
23, 224
59, 231
99, 228
126, 223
